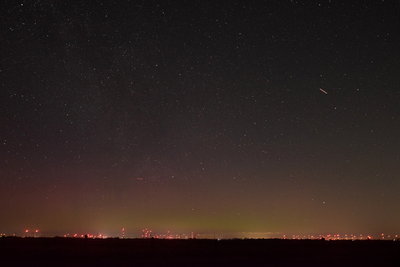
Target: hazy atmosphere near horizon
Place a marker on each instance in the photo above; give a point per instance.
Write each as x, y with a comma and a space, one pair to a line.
241, 118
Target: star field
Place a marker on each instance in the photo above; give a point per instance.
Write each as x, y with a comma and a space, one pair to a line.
278, 116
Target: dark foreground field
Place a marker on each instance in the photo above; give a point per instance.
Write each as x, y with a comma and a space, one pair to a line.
151, 252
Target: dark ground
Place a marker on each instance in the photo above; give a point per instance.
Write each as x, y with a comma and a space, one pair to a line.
150, 252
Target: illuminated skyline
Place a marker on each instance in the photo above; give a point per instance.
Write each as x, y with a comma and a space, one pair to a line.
205, 117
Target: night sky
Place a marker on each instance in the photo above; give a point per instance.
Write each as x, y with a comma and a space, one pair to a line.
206, 116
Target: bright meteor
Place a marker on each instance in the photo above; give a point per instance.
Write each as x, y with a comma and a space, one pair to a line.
323, 91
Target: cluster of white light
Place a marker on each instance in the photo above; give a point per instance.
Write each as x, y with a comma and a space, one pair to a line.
344, 237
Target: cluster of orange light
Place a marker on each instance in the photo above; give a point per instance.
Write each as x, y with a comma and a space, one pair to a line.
84, 236
31, 233
147, 233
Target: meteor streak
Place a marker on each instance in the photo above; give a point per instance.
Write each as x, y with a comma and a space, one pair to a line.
323, 91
